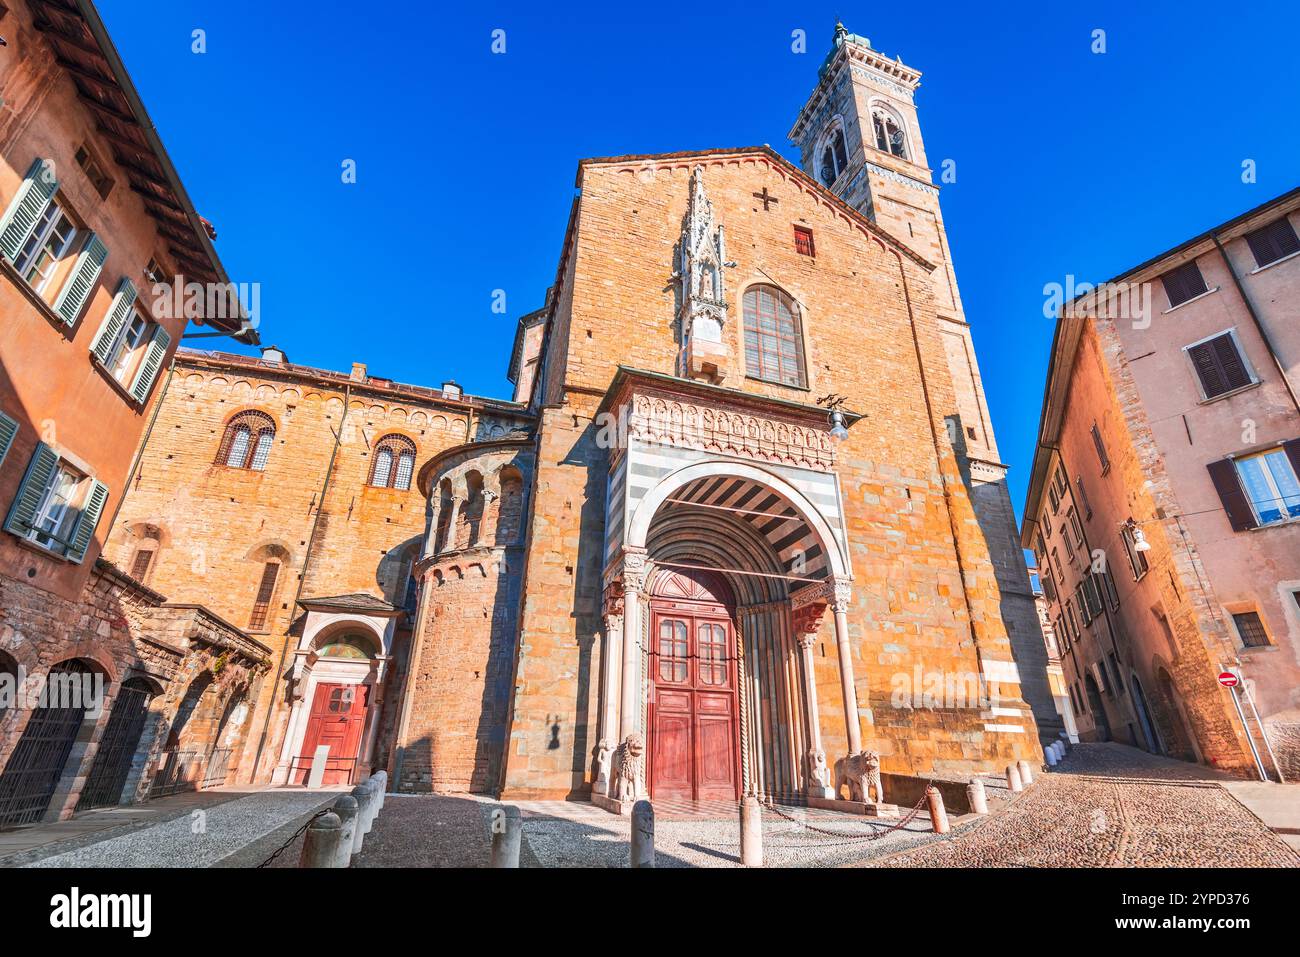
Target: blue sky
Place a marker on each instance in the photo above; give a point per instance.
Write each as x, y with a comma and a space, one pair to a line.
1068, 162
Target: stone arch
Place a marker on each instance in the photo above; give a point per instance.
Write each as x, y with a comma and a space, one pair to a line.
471, 510
639, 526
1170, 718
510, 505
41, 772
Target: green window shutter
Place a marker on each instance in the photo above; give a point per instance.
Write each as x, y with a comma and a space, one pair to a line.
118, 311
77, 289
89, 519
153, 360
33, 196
40, 472
8, 429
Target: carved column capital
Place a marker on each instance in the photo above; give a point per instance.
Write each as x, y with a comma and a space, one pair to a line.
807, 622
841, 594
635, 570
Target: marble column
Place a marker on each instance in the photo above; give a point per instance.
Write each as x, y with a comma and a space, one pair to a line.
611, 669
842, 595
818, 780
634, 579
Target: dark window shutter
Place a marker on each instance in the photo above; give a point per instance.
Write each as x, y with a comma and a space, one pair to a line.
1219, 365
1183, 283
1234, 369
1273, 242
1224, 476
1292, 449
1207, 370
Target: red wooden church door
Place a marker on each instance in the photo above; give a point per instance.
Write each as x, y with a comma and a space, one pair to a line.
692, 714
338, 719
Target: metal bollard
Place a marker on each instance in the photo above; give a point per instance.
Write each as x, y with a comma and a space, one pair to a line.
1013, 779
643, 835
507, 834
751, 831
978, 801
938, 816
320, 848
1026, 772
347, 811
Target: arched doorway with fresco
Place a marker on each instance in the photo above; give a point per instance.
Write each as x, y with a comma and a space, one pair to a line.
340, 705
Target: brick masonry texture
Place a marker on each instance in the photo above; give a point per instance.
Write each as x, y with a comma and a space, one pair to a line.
213, 527
925, 592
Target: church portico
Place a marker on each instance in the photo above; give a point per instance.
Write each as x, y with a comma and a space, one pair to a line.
720, 572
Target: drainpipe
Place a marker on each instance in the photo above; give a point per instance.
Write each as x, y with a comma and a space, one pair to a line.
302, 575
1259, 325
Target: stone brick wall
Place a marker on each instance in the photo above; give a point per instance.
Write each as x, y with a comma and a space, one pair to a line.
311, 506
925, 592
457, 692
1168, 630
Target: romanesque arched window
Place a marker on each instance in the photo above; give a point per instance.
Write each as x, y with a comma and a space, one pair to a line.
394, 463
247, 442
834, 157
773, 337
888, 128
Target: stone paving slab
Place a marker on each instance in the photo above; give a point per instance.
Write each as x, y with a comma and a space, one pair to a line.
28, 843
453, 831
227, 828
1109, 805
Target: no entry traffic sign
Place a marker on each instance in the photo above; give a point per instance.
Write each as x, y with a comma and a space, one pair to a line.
1228, 679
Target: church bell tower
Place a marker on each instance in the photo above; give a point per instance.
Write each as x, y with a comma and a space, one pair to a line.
859, 135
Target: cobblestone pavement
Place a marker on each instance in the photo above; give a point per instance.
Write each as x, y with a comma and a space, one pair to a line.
224, 830
445, 831
1108, 805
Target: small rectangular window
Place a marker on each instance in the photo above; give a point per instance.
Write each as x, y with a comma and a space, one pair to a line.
49, 244
59, 508
1251, 629
1269, 481
1100, 446
1083, 497
1275, 241
265, 591
803, 241
1117, 679
1076, 525
1183, 283
1138, 559
125, 353
94, 172
1219, 365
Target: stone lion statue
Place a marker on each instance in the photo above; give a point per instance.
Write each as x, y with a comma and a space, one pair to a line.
628, 768
861, 772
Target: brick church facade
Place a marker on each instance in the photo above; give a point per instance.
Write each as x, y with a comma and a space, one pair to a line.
743, 514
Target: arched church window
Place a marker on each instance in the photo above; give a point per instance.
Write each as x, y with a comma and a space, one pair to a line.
834, 157
890, 137
773, 337
394, 463
247, 442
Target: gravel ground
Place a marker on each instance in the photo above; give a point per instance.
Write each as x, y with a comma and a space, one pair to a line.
226, 829
1109, 805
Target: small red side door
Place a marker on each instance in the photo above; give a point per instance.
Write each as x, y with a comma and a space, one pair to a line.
337, 719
